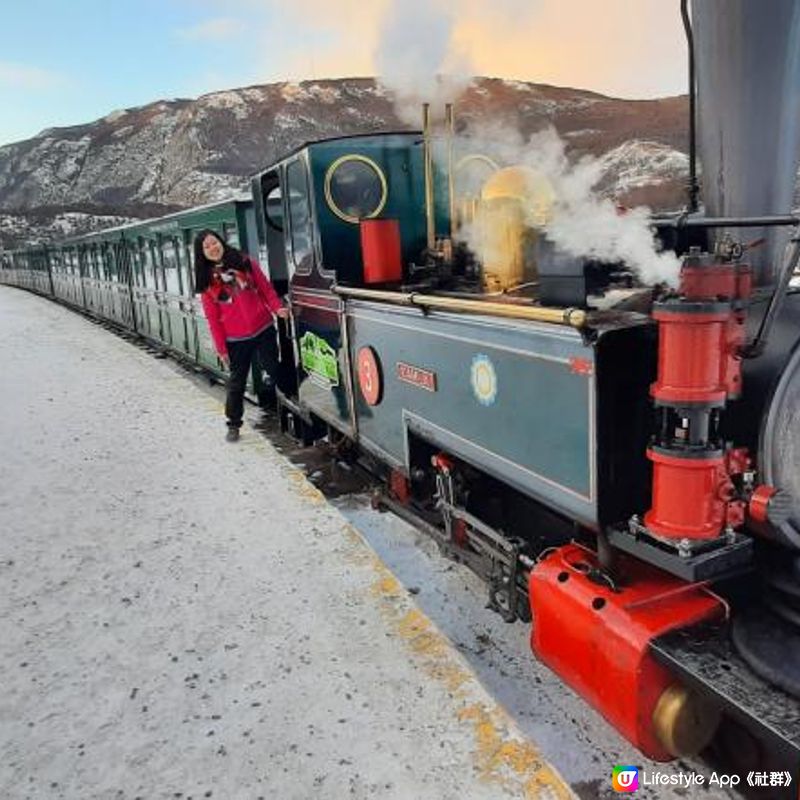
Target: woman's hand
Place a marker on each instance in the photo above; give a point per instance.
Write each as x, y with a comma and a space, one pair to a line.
283, 313
226, 361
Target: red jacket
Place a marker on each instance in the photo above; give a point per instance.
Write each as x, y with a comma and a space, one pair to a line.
245, 311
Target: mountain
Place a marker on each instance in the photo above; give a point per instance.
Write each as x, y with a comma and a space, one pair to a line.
173, 154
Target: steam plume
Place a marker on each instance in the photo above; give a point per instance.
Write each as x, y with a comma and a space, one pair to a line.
417, 58
582, 222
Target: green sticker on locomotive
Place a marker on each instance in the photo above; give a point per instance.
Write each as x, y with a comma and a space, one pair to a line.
319, 359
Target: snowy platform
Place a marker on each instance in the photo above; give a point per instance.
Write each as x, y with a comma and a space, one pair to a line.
182, 617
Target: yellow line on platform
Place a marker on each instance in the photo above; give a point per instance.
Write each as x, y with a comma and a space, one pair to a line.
502, 754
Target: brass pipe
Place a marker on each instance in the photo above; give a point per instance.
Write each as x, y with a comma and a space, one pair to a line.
573, 317
428, 158
451, 192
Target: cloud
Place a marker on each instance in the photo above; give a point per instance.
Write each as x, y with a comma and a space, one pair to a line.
213, 30
629, 48
24, 76
320, 39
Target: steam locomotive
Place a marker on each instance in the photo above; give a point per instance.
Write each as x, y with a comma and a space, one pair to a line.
621, 463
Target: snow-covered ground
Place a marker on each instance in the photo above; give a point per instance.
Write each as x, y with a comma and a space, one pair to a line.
181, 617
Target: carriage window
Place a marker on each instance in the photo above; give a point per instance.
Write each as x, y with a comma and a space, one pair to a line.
169, 259
102, 262
231, 234
103, 256
149, 266
299, 216
112, 263
273, 208
136, 263
355, 188
95, 262
158, 267
188, 259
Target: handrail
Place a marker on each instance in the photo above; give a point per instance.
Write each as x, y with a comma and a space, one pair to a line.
573, 317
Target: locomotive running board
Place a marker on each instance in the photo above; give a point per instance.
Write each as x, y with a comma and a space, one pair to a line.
705, 659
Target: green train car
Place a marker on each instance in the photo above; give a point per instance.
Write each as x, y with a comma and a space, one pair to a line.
27, 268
138, 276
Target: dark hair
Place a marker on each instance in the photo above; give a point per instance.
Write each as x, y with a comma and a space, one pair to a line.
231, 258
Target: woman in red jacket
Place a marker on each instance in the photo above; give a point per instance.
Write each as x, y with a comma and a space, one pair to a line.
239, 304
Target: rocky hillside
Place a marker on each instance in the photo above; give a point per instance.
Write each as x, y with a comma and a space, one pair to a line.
173, 154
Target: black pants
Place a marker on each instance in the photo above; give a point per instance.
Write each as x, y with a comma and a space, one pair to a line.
262, 352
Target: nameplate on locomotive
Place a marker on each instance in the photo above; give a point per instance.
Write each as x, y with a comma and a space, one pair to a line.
416, 376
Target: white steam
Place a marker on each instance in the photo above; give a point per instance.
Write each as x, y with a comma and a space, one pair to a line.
582, 222
418, 59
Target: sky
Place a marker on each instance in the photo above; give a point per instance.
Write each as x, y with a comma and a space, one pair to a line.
66, 63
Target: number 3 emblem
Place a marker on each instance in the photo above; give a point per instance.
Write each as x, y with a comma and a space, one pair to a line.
369, 376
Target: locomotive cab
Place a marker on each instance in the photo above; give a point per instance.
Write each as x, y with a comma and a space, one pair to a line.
311, 204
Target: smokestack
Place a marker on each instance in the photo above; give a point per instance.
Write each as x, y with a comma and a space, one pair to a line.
747, 56
450, 132
430, 218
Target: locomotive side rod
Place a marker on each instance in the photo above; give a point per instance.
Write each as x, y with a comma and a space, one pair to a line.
491, 551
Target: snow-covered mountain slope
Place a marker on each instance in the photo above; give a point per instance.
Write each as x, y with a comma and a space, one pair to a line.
170, 154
